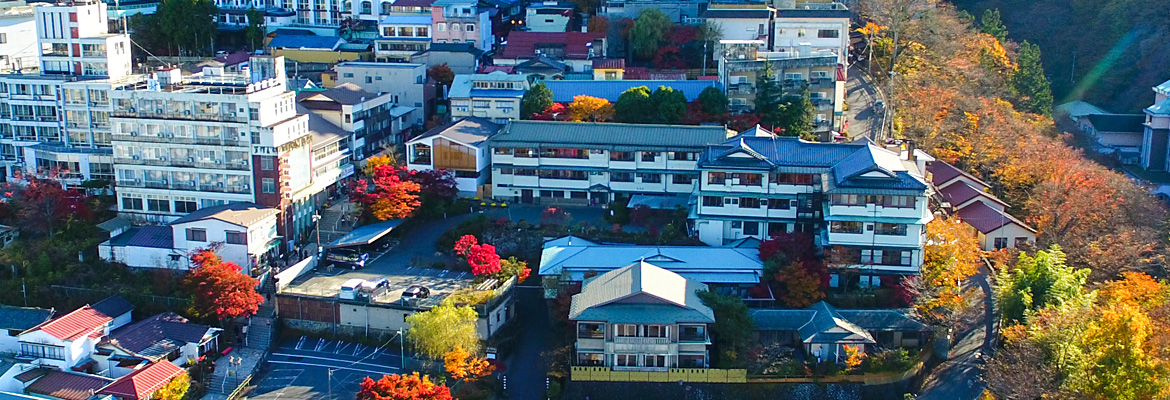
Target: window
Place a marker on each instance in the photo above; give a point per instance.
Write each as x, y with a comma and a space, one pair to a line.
621, 156
751, 228
828, 34
656, 331
682, 179
471, 27
779, 204
186, 205
748, 179
1021, 241
3, 38
895, 257
34, 350
234, 237
625, 330
800, 33
442, 27
890, 229
455, 27
420, 32
692, 333
899, 201
650, 178
683, 156
131, 203
1001, 243
621, 176
716, 178
268, 185
626, 360
266, 163
736, 224
649, 156
776, 228
792, 179
158, 203
847, 200
655, 360
712, 201
196, 235
482, 103
845, 227
749, 202
731, 201
591, 359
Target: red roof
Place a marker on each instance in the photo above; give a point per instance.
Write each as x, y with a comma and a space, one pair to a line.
942, 173
68, 386
487, 69
523, 44
962, 192
141, 383
609, 63
80, 322
987, 219
636, 74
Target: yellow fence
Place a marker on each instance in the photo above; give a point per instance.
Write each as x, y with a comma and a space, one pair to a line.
672, 375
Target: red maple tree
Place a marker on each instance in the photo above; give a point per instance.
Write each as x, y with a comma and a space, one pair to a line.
43, 203
219, 287
402, 387
463, 245
483, 259
391, 195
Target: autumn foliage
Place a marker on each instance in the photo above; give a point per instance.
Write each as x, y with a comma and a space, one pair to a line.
402, 387
392, 195
590, 109
220, 288
951, 256
464, 366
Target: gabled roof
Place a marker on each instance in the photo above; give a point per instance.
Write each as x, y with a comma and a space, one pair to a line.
471, 131
613, 136
986, 219
322, 131
823, 323
942, 173
114, 306
609, 63
234, 58
141, 383
828, 326
962, 192
1164, 88
22, 318
78, 323
523, 44
154, 236
1117, 122
706, 264
641, 293
158, 335
454, 48
1077, 108
1161, 108
540, 64
345, 94
243, 214
68, 386
564, 90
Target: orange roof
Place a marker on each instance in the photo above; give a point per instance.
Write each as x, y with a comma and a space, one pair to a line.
141, 383
80, 322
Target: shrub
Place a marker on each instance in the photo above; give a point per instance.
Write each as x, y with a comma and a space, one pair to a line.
891, 360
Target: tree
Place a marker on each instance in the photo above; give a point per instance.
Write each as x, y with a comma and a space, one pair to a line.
463, 245
462, 365
671, 104
442, 74
219, 288
871, 32
1031, 87
434, 183
536, 100
802, 288
713, 101
512, 267
951, 255
176, 389
445, 327
1037, 281
256, 29
402, 387
797, 117
588, 7
483, 259
733, 330
374, 162
646, 36
391, 197
992, 24
186, 25
853, 357
768, 96
590, 109
598, 23
1120, 362
42, 205
634, 105
793, 246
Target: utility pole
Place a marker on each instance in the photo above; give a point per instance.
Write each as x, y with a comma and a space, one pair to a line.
329, 383
402, 348
317, 222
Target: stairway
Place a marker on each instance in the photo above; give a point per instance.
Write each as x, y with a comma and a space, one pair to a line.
260, 328
227, 377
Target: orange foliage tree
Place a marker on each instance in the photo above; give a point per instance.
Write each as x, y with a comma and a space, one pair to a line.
802, 288
391, 197
219, 288
590, 109
402, 387
951, 255
462, 365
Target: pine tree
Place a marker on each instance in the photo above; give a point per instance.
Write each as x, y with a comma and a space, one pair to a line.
768, 94
536, 100
1033, 93
992, 24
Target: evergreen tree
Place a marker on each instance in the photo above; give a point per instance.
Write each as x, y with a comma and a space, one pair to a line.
671, 104
768, 96
536, 100
992, 24
255, 29
713, 100
1033, 93
634, 106
648, 33
798, 116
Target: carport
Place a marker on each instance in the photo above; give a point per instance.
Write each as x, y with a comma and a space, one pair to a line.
365, 235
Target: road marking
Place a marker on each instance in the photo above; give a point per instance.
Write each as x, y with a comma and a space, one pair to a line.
332, 367
330, 359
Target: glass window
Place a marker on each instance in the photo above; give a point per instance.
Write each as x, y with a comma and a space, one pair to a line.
749, 202
1001, 243
779, 204
828, 33
890, 229
234, 237
847, 200
626, 360
712, 201
751, 228
716, 178
650, 178
591, 359
131, 203
268, 185
621, 176
845, 227
658, 331
649, 156
621, 156
158, 203
692, 333
590, 330
748, 179
655, 360
196, 235
626, 330
682, 179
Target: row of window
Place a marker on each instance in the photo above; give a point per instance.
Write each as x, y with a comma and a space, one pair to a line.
878, 228
406, 31
555, 152
231, 237
751, 179
876, 199
644, 177
749, 202
752, 228
455, 27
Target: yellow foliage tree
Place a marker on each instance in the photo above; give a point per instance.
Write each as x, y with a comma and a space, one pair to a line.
462, 365
853, 357
590, 109
374, 162
176, 389
952, 255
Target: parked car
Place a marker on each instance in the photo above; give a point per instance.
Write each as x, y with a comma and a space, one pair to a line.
416, 292
346, 258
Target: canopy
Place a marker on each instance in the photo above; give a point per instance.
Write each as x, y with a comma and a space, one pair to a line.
657, 202
364, 235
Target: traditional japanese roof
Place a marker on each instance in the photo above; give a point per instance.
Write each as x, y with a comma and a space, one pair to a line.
609, 63
243, 214
612, 136
962, 192
576, 256
986, 219
942, 173
157, 336
114, 306
823, 323
344, 94
154, 236
522, 44
1163, 88
68, 386
540, 64
306, 42
141, 383
640, 293
22, 318
463, 86
468, 130
1161, 108
82, 321
1117, 122
564, 90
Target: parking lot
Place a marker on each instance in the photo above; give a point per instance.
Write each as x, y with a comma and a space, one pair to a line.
319, 369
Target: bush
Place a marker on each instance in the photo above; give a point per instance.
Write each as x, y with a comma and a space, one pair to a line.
554, 389
892, 360
473, 227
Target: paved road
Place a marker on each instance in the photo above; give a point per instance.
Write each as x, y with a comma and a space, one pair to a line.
961, 377
317, 369
860, 94
528, 364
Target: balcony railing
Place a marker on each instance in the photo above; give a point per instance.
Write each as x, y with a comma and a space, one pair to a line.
641, 340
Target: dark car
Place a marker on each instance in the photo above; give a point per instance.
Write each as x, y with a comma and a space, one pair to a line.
416, 292
346, 258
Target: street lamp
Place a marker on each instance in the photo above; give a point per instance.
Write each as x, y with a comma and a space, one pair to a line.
317, 222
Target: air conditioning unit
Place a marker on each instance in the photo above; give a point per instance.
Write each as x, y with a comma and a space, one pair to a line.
132, 110
218, 162
164, 181
158, 111
219, 184
246, 186
191, 183
187, 112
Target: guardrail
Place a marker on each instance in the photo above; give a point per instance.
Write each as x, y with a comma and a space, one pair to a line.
672, 375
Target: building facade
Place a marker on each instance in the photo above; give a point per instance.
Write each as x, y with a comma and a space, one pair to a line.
405, 82
459, 147
401, 36
18, 36
817, 71
494, 96
1156, 131
462, 21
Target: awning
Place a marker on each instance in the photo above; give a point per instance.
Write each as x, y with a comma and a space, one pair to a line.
364, 235
657, 202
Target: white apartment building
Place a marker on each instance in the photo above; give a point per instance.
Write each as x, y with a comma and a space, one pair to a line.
75, 39
366, 121
320, 16
822, 25
463, 21
819, 71
402, 36
548, 16
741, 21
460, 147
18, 36
551, 162
865, 203
405, 82
494, 96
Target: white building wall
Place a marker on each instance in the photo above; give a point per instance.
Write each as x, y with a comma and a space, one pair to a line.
18, 48
742, 28
405, 82
1009, 231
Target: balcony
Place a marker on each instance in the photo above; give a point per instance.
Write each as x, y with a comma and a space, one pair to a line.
641, 340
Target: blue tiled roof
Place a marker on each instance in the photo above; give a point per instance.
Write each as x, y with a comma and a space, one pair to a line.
159, 237
407, 20
306, 42
563, 91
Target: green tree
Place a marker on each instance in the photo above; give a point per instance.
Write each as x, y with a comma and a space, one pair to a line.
255, 29
797, 116
442, 329
536, 100
634, 106
768, 96
649, 32
671, 104
992, 24
713, 101
1037, 281
1033, 93
187, 25
733, 331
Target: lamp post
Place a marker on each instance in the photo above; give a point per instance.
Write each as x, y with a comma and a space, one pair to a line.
317, 223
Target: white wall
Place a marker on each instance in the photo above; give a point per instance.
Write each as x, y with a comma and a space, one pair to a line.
20, 42
1010, 231
741, 28
143, 257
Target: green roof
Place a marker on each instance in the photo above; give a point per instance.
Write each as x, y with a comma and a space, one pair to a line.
640, 293
610, 136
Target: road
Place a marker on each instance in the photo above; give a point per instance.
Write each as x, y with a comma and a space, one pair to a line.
528, 365
860, 93
318, 369
961, 376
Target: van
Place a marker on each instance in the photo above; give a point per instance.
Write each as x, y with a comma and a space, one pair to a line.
375, 287
350, 289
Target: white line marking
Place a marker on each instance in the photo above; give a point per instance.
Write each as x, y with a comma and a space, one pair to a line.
330, 359
332, 367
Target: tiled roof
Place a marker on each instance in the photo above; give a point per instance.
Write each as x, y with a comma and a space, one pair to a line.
1161, 108
987, 219
564, 91
157, 336
22, 318
942, 173
507, 69
421, 19
26, 376
540, 64
345, 94
242, 213
234, 58
823, 323
576, 256
141, 383
621, 137
641, 293
159, 237
962, 192
306, 42
523, 44
468, 130
80, 322
1117, 122
114, 306
609, 63
68, 386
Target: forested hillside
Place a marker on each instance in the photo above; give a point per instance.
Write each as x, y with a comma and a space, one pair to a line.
1107, 52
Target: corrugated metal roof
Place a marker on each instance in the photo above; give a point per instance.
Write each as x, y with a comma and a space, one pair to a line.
987, 219
244, 214
578, 255
468, 130
68, 386
941, 173
141, 383
961, 192
462, 86
306, 42
114, 306
80, 322
424, 19
22, 318
565, 90
366, 234
645, 291
607, 135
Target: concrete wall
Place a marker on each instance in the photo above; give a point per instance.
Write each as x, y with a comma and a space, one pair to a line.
318, 56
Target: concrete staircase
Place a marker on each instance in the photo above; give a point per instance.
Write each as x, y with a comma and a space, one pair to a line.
228, 375
260, 328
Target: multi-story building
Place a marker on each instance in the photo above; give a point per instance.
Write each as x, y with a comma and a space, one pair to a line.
741, 20
405, 82
460, 147
549, 16
683, 11
819, 72
579, 162
575, 50
366, 120
866, 205
75, 39
1156, 132
822, 25
17, 36
494, 96
641, 318
402, 36
462, 21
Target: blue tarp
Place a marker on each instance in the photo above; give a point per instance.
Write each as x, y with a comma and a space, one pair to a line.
367, 234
